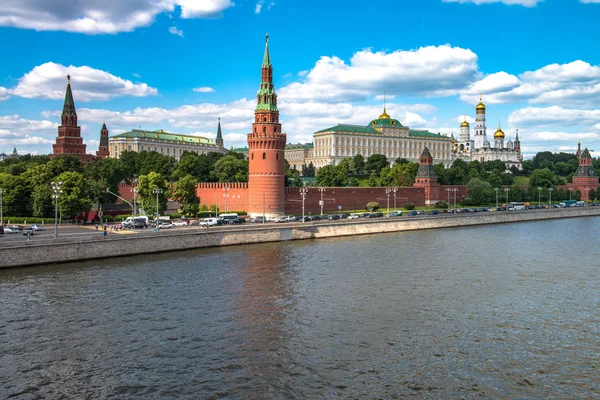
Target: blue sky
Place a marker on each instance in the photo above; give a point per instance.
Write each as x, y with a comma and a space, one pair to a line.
179, 65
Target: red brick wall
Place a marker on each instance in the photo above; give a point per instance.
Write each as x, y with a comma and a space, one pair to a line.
235, 198
349, 198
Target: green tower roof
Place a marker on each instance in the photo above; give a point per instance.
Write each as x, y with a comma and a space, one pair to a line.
266, 58
69, 106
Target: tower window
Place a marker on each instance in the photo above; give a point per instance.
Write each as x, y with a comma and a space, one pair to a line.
264, 129
264, 156
277, 156
252, 156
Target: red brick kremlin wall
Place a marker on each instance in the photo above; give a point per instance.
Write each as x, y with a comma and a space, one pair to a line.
347, 197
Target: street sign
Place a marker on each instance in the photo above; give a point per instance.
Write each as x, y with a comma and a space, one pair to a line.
339, 207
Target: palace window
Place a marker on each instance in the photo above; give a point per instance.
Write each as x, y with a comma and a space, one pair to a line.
264, 156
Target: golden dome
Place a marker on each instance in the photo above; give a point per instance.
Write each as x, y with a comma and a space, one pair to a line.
499, 134
384, 115
465, 124
480, 106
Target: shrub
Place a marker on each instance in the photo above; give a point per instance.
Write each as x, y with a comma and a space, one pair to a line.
441, 204
109, 218
27, 220
409, 206
121, 217
174, 216
372, 206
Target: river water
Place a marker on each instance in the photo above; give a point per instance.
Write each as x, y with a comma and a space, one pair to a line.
502, 311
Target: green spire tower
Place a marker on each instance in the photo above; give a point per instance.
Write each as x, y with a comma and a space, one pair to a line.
219, 139
266, 97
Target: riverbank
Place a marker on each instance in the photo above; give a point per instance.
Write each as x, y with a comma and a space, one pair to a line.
126, 245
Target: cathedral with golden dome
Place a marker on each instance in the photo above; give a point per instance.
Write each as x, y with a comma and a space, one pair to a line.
479, 148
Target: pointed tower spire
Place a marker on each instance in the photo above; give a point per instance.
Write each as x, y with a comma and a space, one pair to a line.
69, 105
267, 58
219, 139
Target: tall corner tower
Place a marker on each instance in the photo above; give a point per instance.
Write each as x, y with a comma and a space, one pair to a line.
103, 146
69, 140
480, 128
266, 150
426, 178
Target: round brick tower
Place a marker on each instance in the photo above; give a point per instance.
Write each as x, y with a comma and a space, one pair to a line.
266, 153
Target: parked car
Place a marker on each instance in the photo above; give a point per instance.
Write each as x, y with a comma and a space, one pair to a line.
394, 214
37, 228
285, 218
433, 212
13, 229
258, 220
420, 212
300, 218
412, 213
316, 218
334, 217
181, 222
344, 215
238, 221
364, 215
354, 216
165, 225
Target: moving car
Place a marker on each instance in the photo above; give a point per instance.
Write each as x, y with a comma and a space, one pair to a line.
394, 214
334, 217
354, 216
433, 212
258, 220
238, 221
306, 218
206, 222
413, 213
36, 227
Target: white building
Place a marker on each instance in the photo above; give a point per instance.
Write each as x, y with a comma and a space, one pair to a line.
480, 148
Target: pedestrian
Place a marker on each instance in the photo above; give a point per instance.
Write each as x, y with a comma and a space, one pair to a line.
105, 227
96, 226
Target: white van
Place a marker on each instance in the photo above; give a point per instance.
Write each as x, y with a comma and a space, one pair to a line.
206, 222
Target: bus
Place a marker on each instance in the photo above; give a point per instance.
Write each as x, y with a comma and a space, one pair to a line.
516, 205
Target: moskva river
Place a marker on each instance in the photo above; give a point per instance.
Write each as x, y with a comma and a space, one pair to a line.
503, 312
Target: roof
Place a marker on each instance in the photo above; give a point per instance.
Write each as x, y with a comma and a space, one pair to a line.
585, 154
266, 57
370, 130
385, 122
426, 152
69, 106
240, 149
219, 134
162, 135
292, 146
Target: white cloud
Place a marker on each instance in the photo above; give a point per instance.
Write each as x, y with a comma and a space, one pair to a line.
137, 75
48, 81
590, 1
204, 89
29, 136
14, 123
260, 4
524, 3
576, 84
427, 71
176, 31
553, 116
92, 17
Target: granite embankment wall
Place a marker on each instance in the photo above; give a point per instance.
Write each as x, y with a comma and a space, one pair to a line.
128, 245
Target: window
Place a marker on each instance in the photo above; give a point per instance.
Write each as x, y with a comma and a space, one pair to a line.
252, 156
264, 129
264, 156
277, 156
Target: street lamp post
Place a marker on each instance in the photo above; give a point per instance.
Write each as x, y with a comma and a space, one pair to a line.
587, 190
303, 192
226, 189
507, 190
56, 188
550, 199
395, 190
496, 190
388, 191
570, 194
322, 202
157, 191
455, 190
135, 191
448, 190
539, 195
1, 210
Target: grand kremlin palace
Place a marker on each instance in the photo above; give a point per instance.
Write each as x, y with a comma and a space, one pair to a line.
383, 135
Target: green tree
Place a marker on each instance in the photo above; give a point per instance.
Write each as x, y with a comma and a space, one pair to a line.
372, 206
309, 171
292, 176
104, 174
359, 164
146, 195
231, 169
373, 180
331, 176
16, 198
75, 198
541, 178
376, 162
184, 191
479, 192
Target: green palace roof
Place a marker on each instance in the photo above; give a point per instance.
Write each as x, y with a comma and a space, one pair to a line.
385, 123
370, 130
162, 135
299, 146
239, 149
